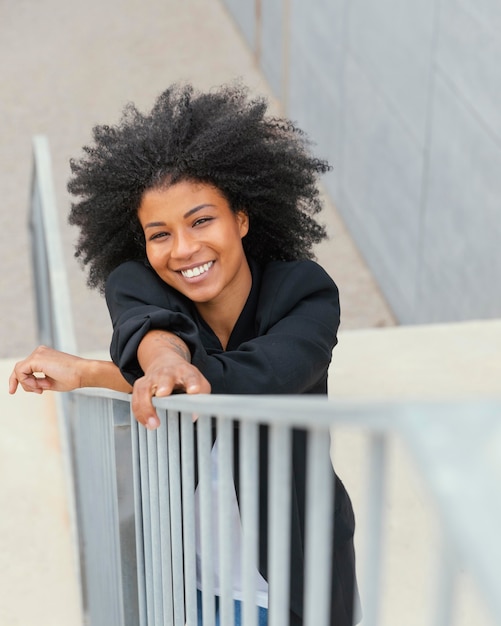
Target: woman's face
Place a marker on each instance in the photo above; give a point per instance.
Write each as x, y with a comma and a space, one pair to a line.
194, 242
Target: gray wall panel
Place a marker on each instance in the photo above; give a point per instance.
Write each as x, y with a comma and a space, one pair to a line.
315, 90
393, 40
316, 109
469, 54
320, 20
404, 99
461, 262
244, 14
382, 177
272, 43
488, 12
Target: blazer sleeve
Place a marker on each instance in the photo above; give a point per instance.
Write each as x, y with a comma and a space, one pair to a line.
139, 301
297, 322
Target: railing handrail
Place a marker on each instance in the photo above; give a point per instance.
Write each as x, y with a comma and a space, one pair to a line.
371, 414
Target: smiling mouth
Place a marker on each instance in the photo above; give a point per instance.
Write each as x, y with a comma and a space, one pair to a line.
196, 271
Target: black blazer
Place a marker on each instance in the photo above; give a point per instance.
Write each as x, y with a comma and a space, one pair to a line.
281, 343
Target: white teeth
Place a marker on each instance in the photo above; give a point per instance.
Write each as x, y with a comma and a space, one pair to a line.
196, 271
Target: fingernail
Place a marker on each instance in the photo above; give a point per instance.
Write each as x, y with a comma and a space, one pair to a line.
152, 423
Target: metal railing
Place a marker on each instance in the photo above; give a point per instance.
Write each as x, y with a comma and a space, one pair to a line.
447, 443
54, 317
134, 489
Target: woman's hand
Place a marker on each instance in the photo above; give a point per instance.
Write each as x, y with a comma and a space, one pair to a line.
165, 360
46, 369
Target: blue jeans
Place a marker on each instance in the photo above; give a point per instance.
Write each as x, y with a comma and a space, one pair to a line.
262, 612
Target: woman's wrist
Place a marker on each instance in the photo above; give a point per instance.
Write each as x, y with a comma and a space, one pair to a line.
89, 371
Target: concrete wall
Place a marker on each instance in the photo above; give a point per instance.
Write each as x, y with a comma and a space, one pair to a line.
404, 99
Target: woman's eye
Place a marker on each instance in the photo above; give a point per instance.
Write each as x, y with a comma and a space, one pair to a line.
202, 220
159, 235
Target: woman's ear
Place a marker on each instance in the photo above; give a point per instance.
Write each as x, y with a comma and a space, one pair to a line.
243, 223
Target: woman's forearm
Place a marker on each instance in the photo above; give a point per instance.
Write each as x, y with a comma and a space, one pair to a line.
161, 343
105, 374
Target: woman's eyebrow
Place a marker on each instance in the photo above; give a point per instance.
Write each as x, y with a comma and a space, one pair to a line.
195, 209
153, 225
199, 207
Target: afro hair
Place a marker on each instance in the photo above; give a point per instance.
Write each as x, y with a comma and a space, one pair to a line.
261, 164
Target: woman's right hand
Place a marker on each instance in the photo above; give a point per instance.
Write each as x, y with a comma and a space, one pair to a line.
164, 376
47, 369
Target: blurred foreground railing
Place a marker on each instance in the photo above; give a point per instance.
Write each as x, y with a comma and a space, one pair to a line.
133, 490
137, 489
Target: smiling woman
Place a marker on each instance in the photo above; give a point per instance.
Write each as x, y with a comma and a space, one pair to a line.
194, 243
197, 221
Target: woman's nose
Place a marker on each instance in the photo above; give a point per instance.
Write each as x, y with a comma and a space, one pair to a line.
184, 246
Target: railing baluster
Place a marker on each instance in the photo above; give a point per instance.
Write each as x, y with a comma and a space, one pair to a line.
188, 493
156, 545
176, 527
110, 536
147, 539
376, 487
164, 525
138, 512
225, 534
124, 456
206, 519
249, 454
319, 529
279, 527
